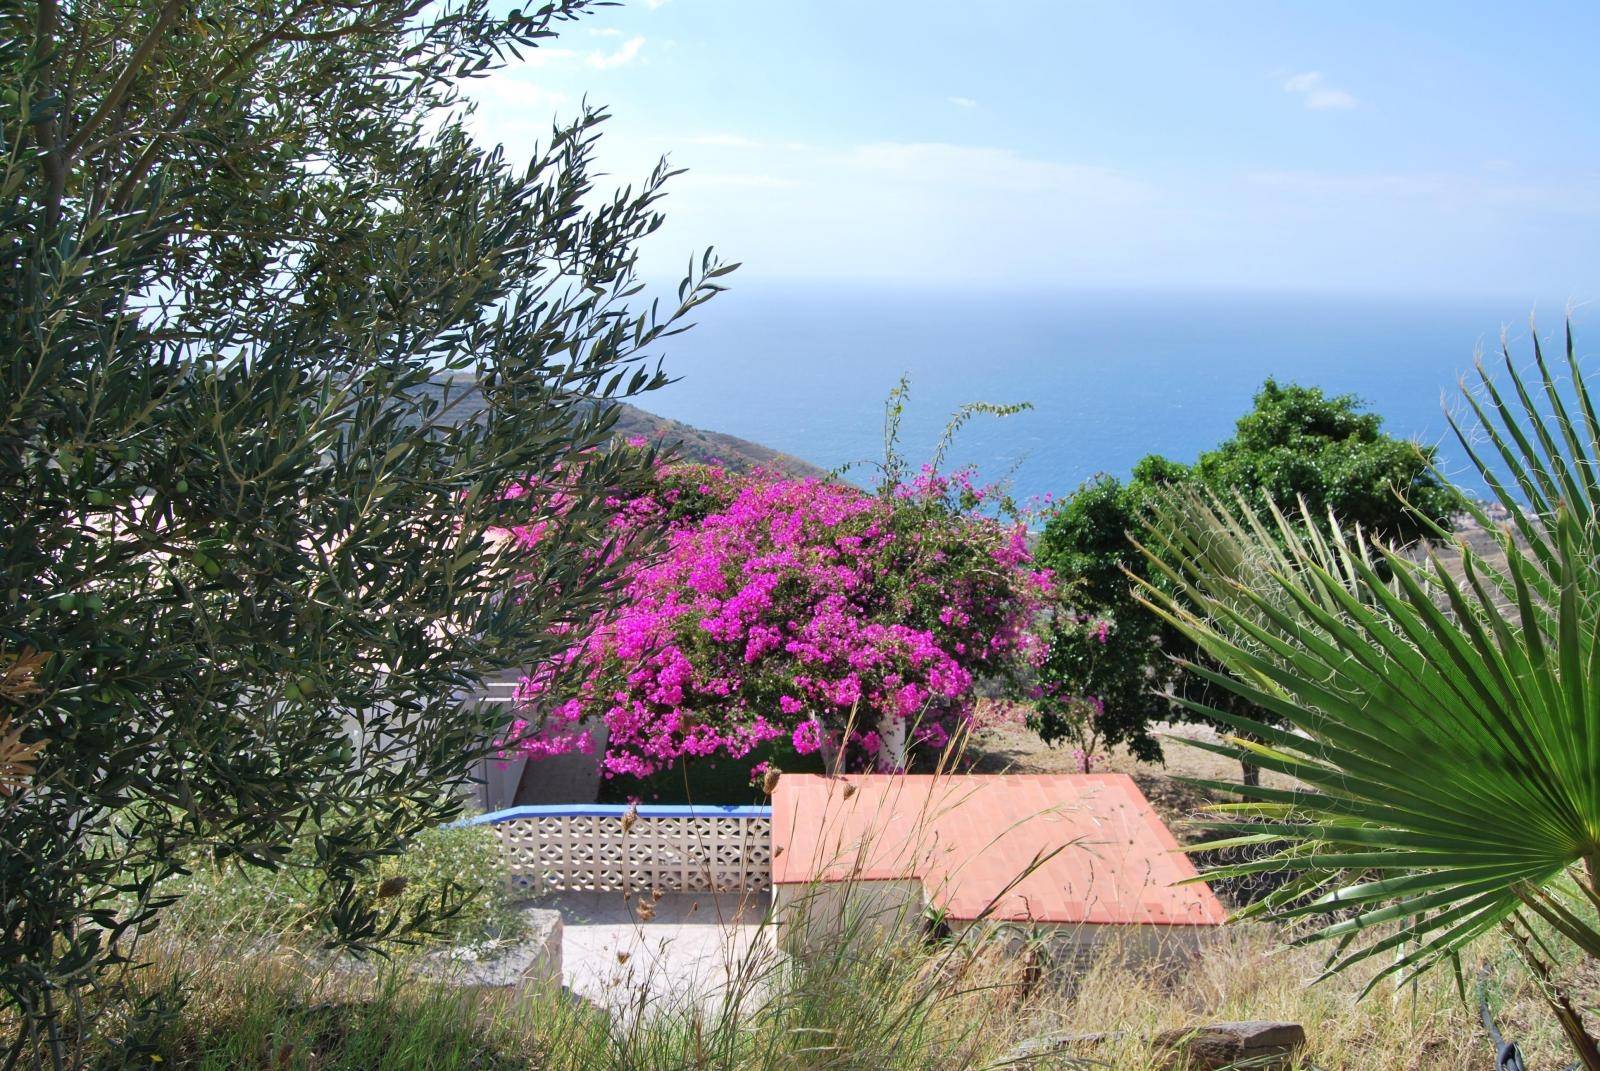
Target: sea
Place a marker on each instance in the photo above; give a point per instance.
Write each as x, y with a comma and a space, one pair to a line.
1110, 376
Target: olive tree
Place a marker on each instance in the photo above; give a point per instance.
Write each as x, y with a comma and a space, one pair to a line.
251, 578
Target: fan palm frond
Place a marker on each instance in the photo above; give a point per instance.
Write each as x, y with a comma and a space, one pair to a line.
1440, 713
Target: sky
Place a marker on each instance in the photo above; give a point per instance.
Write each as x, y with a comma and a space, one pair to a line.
1415, 149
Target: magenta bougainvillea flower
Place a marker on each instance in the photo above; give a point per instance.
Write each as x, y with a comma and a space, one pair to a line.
803, 609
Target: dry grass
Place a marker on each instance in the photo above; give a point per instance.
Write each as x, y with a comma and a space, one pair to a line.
881, 1006
874, 1005
1245, 972
1248, 972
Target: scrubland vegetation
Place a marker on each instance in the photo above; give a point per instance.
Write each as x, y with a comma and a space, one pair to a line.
887, 1006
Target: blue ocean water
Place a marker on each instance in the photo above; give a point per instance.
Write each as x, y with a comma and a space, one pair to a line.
1112, 376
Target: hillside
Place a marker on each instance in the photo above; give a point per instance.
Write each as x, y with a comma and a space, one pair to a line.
458, 400
701, 445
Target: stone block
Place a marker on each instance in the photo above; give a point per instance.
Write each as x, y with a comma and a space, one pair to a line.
1263, 1045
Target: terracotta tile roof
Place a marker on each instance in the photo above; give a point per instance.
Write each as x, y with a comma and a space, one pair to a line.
1098, 851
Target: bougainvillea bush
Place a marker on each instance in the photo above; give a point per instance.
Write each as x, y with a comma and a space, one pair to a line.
805, 610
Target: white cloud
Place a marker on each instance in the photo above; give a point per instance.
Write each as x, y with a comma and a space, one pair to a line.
973, 171
941, 212
1437, 193
544, 57
513, 110
506, 93
1316, 94
738, 180
1330, 98
653, 4
963, 102
898, 210
627, 53
724, 141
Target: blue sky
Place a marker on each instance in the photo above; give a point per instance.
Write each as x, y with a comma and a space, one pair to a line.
1412, 148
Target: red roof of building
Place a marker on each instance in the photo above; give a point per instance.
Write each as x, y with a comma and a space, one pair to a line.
1098, 851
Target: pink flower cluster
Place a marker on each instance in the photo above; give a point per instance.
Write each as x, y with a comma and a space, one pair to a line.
799, 609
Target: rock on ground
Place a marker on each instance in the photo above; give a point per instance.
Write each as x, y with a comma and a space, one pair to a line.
1208, 1047
534, 959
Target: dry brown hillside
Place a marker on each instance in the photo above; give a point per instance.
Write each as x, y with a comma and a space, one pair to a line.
698, 444
458, 400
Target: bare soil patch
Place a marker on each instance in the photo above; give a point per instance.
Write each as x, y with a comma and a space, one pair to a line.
1013, 748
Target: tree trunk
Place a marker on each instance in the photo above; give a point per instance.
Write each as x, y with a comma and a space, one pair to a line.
1252, 774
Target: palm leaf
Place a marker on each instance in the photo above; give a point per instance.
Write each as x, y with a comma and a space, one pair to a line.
1444, 723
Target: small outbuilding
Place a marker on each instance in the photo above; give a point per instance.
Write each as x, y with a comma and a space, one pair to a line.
1074, 859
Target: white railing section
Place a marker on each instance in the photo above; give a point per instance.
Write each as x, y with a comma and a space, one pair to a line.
638, 849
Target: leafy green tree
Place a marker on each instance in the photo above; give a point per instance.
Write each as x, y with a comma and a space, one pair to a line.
1299, 443
1441, 717
1102, 679
1111, 657
251, 573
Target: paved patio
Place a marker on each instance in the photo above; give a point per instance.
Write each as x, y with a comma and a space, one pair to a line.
691, 945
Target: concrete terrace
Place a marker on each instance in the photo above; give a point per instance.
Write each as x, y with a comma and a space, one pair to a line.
626, 959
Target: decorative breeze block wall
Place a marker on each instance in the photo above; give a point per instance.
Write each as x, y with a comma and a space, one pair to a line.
673, 849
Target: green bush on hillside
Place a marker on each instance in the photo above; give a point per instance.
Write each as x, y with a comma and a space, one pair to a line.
1300, 443
1111, 659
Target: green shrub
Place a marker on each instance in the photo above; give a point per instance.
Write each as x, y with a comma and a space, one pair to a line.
1100, 683
458, 866
1111, 659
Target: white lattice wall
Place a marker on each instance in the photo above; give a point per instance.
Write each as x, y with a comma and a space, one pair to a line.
672, 849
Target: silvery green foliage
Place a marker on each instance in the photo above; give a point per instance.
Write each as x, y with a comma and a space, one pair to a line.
240, 238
